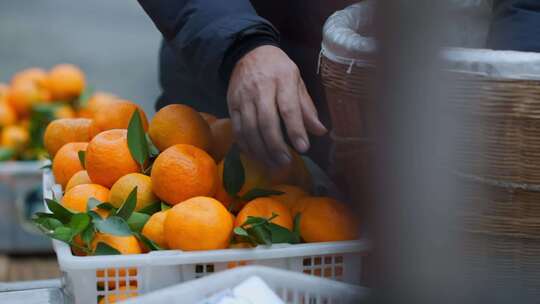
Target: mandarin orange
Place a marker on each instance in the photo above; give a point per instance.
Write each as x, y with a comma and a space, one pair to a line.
108, 157
179, 124
182, 172
66, 162
199, 223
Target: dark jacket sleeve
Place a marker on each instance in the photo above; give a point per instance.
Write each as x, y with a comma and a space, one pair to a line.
208, 36
515, 25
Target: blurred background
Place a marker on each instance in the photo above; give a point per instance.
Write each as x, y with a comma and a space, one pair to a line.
114, 42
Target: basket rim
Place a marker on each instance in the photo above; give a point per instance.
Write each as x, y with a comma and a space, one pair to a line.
69, 262
240, 274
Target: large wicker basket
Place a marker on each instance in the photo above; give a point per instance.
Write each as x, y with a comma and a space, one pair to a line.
347, 70
496, 99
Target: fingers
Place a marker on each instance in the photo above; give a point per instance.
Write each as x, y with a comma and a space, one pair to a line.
309, 112
236, 119
270, 129
291, 113
250, 132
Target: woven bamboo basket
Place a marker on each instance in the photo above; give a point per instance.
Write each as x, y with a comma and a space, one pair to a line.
497, 105
495, 98
347, 70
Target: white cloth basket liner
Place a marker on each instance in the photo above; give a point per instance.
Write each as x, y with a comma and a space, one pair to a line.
290, 286
347, 34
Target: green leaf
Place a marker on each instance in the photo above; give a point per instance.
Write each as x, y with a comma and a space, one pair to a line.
148, 242
152, 149
61, 213
258, 192
241, 231
254, 220
128, 206
164, 206
281, 234
6, 154
44, 215
106, 206
82, 157
233, 172
261, 234
151, 209
136, 137
78, 223
113, 225
94, 215
62, 233
92, 204
104, 249
40, 117
45, 222
82, 101
137, 221
88, 234
46, 166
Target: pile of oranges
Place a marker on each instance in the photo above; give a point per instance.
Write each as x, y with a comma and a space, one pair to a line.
33, 97
176, 182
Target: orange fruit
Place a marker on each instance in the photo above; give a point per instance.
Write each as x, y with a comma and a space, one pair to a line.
199, 223
62, 131
123, 187
256, 176
23, 95
117, 114
122, 293
179, 124
15, 137
154, 228
35, 75
66, 82
8, 116
76, 198
182, 172
96, 101
324, 219
291, 195
108, 157
210, 118
66, 162
64, 111
222, 138
124, 244
79, 178
294, 173
265, 207
4, 88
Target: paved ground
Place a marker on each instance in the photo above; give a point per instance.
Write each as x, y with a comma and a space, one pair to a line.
24, 268
113, 41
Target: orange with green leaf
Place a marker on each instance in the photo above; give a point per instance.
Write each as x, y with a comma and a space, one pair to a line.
125, 196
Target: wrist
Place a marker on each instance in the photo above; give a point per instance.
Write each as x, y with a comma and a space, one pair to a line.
246, 41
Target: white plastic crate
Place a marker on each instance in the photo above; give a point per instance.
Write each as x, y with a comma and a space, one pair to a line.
87, 278
293, 288
20, 185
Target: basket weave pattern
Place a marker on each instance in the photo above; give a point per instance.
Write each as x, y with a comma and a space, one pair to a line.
349, 94
498, 166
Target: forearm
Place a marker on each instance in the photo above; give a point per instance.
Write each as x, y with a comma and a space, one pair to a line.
207, 36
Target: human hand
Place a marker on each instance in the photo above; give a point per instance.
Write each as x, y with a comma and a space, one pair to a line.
264, 86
